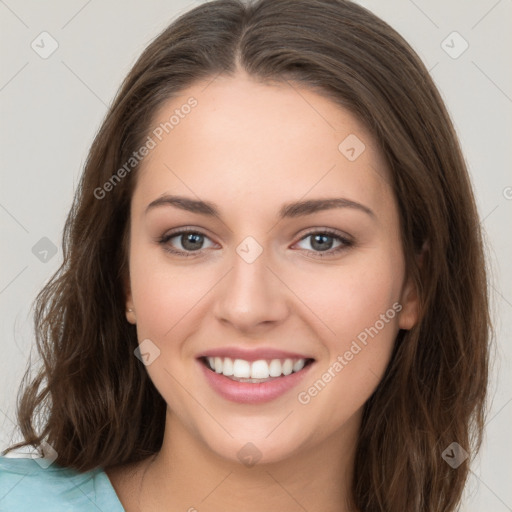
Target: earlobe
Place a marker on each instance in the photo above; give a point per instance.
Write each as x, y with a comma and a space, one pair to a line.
409, 314
130, 315
410, 300
130, 309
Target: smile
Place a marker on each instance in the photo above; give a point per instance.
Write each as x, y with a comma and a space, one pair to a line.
255, 371
262, 380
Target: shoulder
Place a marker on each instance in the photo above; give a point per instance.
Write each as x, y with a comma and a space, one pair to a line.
36, 485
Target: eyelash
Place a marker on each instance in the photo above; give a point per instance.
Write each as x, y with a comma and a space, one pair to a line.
345, 242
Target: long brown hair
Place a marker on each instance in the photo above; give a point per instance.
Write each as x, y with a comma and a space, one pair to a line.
93, 401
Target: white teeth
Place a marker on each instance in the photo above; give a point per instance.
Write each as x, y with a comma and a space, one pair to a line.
227, 368
287, 366
275, 368
261, 369
297, 367
218, 364
241, 369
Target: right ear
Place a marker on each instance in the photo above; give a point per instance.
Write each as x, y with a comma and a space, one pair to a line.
130, 308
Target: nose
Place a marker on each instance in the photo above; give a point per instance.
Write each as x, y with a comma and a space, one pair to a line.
251, 297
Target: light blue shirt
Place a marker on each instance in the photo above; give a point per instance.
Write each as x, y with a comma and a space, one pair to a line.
29, 486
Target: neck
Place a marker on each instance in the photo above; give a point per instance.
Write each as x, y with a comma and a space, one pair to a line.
189, 475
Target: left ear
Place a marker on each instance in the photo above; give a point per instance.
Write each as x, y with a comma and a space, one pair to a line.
409, 298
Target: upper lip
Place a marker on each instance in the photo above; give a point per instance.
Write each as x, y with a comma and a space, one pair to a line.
252, 354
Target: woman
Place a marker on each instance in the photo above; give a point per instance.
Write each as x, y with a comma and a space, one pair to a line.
273, 293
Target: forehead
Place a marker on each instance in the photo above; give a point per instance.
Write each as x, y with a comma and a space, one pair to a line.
260, 143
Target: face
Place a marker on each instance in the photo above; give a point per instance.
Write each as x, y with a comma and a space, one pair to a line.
264, 278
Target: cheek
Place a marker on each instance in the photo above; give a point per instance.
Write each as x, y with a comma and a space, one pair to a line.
167, 299
163, 293
362, 310
351, 298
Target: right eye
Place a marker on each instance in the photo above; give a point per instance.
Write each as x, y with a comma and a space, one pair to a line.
191, 242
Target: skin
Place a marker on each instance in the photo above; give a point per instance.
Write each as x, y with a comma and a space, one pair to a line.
249, 148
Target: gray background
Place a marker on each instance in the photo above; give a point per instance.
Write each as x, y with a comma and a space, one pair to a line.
51, 108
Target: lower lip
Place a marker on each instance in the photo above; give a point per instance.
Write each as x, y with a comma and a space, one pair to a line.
252, 393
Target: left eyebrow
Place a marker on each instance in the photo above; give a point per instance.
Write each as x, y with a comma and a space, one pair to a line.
288, 210
300, 208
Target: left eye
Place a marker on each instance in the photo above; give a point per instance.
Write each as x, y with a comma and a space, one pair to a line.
323, 242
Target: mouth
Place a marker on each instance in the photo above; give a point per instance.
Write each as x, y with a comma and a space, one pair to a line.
251, 380
255, 372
